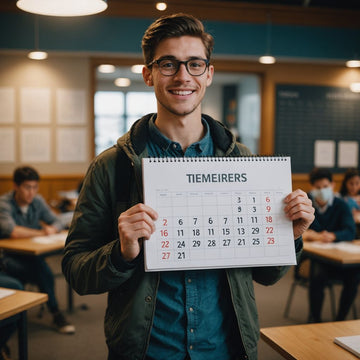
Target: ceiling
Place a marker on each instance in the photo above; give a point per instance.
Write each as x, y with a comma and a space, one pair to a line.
325, 4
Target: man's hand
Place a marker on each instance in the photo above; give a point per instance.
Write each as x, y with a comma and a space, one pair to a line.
134, 225
322, 236
49, 229
299, 209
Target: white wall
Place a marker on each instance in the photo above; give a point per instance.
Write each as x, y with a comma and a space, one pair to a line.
19, 75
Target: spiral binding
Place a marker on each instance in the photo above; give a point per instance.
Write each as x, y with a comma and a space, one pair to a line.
250, 158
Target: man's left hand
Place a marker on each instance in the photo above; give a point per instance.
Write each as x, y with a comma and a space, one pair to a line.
299, 209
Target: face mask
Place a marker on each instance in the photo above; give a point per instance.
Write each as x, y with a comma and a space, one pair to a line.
324, 194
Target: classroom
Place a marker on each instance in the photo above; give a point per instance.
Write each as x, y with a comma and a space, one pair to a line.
285, 85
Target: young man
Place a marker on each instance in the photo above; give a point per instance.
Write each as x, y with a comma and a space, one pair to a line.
24, 213
204, 314
333, 222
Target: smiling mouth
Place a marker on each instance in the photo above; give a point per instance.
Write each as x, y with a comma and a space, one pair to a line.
182, 92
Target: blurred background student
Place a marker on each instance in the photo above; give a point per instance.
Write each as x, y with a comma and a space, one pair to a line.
24, 213
350, 192
333, 223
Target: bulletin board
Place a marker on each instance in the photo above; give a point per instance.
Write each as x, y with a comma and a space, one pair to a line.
308, 116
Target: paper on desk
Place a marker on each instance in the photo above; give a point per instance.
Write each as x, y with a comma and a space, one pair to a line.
6, 292
350, 343
342, 245
50, 239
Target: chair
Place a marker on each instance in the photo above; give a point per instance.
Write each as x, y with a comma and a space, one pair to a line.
301, 278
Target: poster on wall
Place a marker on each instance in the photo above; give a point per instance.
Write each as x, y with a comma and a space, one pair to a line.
35, 105
348, 154
35, 145
7, 105
70, 107
7, 144
324, 153
71, 145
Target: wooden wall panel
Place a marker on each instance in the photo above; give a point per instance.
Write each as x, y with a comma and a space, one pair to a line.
50, 185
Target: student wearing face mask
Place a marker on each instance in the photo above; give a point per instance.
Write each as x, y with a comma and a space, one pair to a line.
333, 223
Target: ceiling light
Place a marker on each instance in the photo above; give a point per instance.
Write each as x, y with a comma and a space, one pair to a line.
122, 82
267, 59
106, 68
355, 87
62, 7
37, 55
137, 69
161, 6
353, 63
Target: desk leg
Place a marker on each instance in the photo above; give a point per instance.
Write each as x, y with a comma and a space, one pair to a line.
22, 336
70, 299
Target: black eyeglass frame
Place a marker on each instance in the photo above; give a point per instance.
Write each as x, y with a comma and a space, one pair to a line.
179, 62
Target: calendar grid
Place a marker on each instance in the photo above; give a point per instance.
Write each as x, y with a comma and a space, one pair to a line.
218, 225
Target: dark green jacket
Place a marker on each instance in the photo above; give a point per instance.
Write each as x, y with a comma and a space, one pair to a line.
92, 263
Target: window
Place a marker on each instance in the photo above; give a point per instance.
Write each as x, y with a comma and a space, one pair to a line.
116, 111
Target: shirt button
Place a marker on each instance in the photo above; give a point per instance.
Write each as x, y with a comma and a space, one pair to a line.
148, 299
189, 280
174, 146
191, 309
191, 347
191, 330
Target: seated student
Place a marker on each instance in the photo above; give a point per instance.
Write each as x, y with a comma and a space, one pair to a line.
6, 331
333, 222
350, 192
24, 213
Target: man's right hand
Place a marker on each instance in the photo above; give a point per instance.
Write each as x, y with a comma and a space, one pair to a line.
135, 225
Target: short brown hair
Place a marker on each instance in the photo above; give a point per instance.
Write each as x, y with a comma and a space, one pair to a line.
170, 26
25, 173
319, 174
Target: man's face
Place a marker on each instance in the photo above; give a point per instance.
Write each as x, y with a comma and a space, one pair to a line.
26, 191
321, 196
180, 94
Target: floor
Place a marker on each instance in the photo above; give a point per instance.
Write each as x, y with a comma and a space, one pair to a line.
89, 342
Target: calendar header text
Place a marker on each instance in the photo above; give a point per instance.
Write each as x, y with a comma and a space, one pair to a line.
216, 178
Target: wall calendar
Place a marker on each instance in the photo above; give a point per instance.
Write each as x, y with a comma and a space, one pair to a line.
218, 212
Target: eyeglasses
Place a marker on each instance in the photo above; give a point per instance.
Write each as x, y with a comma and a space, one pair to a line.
170, 67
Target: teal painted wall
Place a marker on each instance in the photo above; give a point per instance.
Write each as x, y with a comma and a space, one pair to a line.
104, 34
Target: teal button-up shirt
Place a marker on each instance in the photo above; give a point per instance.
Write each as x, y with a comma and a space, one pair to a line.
194, 313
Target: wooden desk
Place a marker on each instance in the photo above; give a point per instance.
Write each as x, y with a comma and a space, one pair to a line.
14, 307
311, 341
333, 256
27, 246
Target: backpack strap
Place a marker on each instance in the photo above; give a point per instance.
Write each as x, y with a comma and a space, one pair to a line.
123, 176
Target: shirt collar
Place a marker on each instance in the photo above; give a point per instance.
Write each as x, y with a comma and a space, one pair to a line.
165, 143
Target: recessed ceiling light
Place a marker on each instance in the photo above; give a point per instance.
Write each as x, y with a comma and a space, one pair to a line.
137, 69
353, 63
106, 68
122, 82
355, 87
38, 55
161, 6
267, 59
